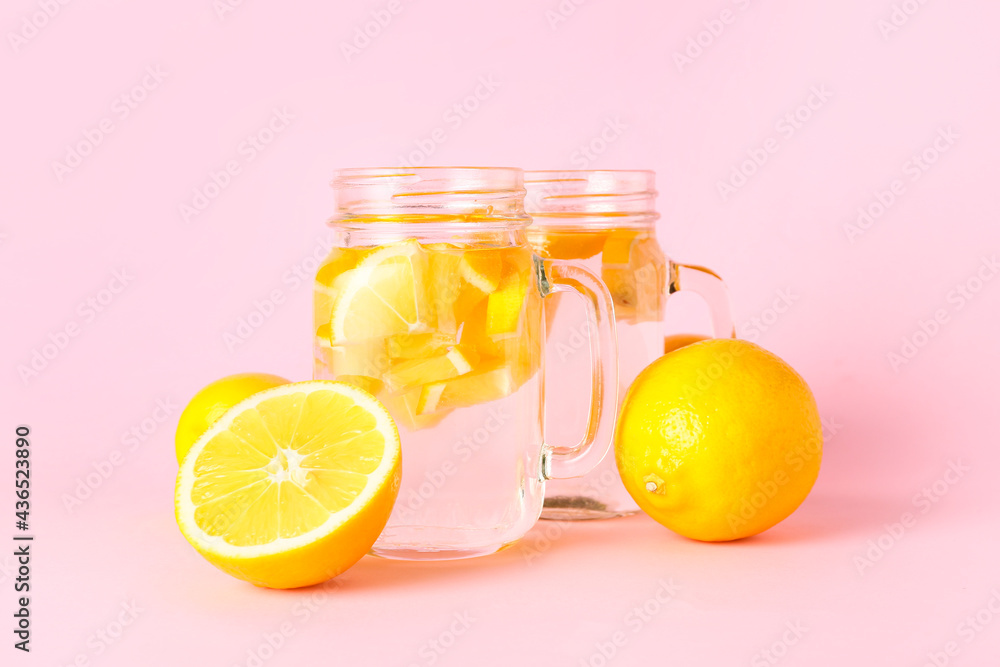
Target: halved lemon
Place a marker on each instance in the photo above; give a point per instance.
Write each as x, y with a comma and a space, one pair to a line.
212, 401
292, 485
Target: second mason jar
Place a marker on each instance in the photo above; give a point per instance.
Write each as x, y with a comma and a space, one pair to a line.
431, 300
605, 220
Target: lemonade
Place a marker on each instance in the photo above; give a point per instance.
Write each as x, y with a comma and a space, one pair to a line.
432, 301
629, 261
604, 220
428, 328
447, 335
632, 265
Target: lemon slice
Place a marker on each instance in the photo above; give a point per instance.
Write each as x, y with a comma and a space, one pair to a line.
471, 389
475, 335
340, 260
503, 310
415, 409
372, 385
341, 361
292, 485
618, 246
414, 372
457, 284
385, 295
571, 243
482, 268
636, 277
366, 357
418, 346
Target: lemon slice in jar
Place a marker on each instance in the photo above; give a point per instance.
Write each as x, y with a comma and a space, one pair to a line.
386, 294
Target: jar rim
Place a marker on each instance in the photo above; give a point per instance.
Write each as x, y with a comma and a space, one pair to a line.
381, 193
599, 197
578, 172
513, 177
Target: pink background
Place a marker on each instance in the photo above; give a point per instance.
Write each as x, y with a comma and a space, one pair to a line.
561, 596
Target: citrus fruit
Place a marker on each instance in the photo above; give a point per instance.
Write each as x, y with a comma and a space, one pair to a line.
505, 303
479, 387
482, 268
417, 346
415, 372
570, 243
212, 402
412, 411
408, 319
719, 440
635, 271
291, 486
385, 294
337, 262
618, 246
450, 295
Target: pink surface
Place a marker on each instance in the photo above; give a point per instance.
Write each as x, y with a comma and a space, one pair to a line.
608, 76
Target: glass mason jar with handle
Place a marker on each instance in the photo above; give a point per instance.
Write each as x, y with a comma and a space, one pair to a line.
606, 220
432, 300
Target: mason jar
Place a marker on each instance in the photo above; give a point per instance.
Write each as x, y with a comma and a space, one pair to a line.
606, 221
432, 300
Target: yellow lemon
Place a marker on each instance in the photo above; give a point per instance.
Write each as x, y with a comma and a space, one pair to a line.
212, 402
719, 440
291, 486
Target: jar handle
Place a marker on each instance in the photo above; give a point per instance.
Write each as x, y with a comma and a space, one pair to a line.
709, 286
557, 276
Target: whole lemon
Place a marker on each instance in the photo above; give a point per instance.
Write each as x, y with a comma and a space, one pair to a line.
213, 401
719, 440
